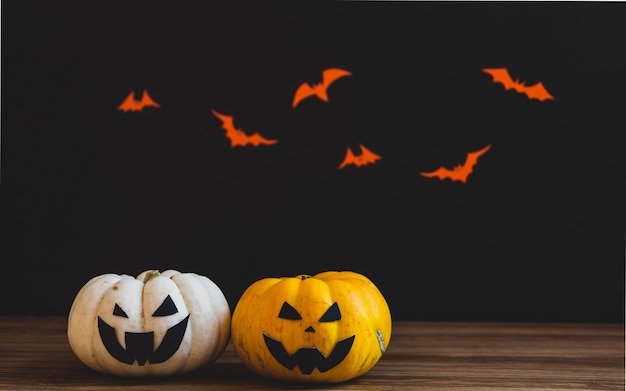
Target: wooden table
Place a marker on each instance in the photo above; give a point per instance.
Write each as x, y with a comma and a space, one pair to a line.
35, 355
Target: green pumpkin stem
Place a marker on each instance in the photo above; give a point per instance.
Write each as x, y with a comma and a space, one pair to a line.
150, 275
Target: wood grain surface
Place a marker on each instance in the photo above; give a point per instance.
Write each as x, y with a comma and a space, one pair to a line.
35, 355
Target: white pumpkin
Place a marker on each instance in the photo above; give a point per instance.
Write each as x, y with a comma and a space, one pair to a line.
156, 324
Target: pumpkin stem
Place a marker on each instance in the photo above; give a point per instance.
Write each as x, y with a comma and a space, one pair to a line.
305, 276
150, 275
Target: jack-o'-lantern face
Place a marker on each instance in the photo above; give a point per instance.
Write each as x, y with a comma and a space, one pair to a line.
307, 358
142, 324
140, 345
330, 327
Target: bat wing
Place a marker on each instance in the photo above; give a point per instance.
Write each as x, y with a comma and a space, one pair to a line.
147, 101
227, 124
537, 91
227, 120
502, 76
303, 92
254, 139
441, 173
470, 162
129, 104
368, 156
349, 159
472, 157
332, 74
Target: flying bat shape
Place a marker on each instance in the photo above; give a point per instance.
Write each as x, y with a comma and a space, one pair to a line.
366, 157
536, 91
237, 137
459, 172
131, 104
328, 77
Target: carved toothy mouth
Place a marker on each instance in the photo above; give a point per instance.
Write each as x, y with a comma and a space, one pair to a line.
309, 358
139, 346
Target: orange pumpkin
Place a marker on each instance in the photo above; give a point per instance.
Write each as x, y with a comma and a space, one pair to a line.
326, 328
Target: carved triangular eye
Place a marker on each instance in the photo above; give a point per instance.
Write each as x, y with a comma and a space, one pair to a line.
118, 311
288, 312
166, 308
332, 314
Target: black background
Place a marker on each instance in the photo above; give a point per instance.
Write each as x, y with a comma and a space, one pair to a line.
536, 234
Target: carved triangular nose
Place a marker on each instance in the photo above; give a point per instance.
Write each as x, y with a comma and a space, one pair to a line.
310, 329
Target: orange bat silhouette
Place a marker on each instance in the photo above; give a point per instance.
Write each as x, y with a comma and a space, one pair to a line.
328, 77
366, 157
459, 172
130, 104
536, 91
237, 137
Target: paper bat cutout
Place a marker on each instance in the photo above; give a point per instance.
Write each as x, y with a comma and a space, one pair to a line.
366, 157
131, 104
459, 172
237, 137
328, 77
536, 91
